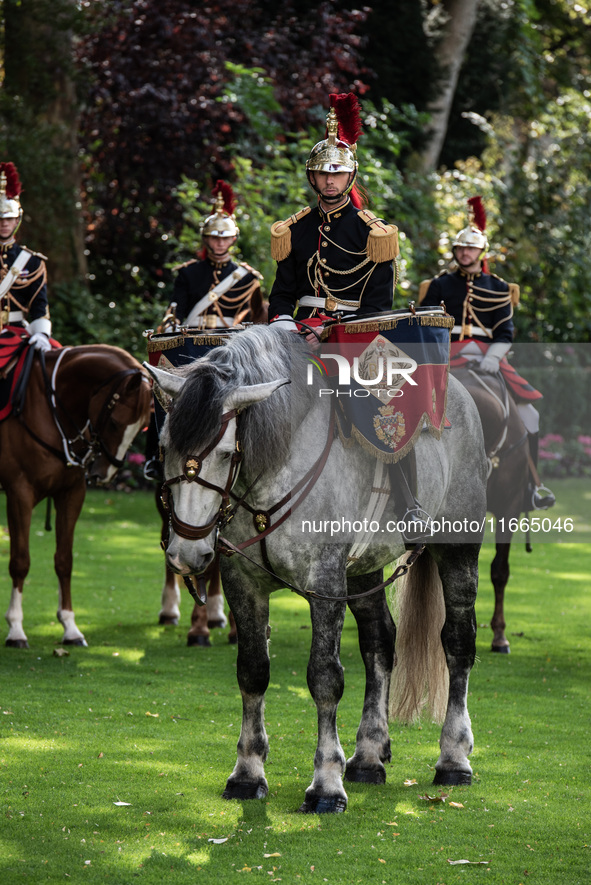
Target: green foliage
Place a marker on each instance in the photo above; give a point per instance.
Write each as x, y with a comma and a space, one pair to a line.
83, 317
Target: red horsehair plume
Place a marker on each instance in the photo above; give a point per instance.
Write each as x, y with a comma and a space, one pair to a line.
348, 111
227, 194
477, 213
13, 185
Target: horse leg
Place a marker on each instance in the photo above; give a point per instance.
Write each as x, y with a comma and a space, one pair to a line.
376, 643
19, 508
499, 575
251, 611
170, 600
199, 632
215, 597
326, 793
68, 504
458, 570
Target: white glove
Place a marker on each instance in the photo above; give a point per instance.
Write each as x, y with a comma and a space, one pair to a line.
490, 361
40, 341
284, 322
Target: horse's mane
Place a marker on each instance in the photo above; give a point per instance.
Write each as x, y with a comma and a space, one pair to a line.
258, 355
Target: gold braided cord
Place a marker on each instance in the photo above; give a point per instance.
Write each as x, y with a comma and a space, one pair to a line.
341, 248
470, 309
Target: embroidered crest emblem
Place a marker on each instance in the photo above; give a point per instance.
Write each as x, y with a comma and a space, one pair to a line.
389, 426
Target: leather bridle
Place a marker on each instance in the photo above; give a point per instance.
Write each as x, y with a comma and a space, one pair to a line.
191, 470
91, 434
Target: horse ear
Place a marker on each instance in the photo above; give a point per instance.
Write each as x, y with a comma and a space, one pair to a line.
243, 397
168, 383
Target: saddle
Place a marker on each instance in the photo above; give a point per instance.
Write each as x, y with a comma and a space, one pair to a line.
15, 356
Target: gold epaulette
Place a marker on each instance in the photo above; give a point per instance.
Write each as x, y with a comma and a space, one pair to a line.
184, 264
514, 293
423, 289
251, 270
382, 243
281, 235
513, 289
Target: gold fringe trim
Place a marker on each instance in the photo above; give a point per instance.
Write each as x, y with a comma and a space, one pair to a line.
156, 344
442, 322
393, 457
280, 240
382, 243
281, 235
514, 293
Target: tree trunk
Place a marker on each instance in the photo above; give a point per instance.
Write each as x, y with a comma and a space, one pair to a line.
40, 125
449, 53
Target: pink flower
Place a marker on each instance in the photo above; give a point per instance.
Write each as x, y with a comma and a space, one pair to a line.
136, 458
584, 440
551, 438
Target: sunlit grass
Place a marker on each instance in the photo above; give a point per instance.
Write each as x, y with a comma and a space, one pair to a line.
138, 717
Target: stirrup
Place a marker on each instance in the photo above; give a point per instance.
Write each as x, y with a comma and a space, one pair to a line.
417, 524
153, 469
542, 498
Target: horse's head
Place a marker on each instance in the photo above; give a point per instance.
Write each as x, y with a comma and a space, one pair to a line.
116, 412
202, 457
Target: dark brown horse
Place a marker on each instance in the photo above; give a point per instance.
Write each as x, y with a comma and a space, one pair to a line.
80, 413
506, 443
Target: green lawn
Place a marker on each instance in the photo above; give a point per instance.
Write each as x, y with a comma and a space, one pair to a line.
139, 718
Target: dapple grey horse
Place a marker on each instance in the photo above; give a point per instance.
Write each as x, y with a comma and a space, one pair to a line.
258, 458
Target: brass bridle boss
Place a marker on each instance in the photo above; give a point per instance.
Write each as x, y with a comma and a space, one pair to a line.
191, 471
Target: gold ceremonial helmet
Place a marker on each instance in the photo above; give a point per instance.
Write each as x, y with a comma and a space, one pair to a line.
472, 237
332, 154
221, 223
10, 187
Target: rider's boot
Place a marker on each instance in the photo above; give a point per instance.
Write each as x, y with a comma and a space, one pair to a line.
538, 496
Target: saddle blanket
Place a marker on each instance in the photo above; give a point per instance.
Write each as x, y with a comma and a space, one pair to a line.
13, 349
389, 379
520, 388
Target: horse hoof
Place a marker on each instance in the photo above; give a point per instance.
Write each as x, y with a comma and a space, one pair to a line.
246, 791
199, 640
501, 649
452, 779
233, 639
323, 805
80, 642
357, 775
166, 620
214, 625
16, 643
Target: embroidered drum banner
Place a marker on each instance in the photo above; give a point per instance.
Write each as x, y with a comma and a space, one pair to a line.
388, 374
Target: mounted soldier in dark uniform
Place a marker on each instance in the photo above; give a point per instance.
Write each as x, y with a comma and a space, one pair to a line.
211, 292
335, 257
23, 276
482, 305
214, 292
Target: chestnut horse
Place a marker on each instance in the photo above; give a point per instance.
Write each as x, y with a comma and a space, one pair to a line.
507, 449
81, 410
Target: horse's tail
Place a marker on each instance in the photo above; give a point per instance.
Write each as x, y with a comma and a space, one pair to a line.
420, 678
